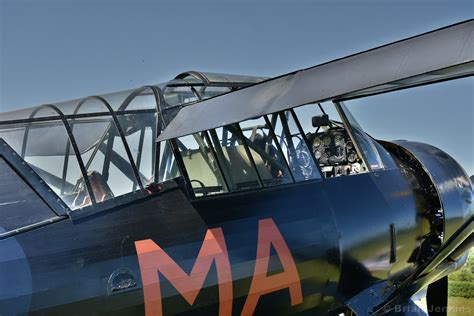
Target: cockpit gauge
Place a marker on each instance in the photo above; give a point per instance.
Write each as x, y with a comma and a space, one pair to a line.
317, 153
339, 152
351, 156
316, 142
324, 158
327, 140
349, 145
338, 139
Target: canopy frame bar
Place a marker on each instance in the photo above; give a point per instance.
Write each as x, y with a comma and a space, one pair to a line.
71, 139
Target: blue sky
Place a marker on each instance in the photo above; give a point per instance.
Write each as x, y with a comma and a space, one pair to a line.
53, 50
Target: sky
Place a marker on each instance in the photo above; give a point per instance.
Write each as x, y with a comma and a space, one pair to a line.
55, 50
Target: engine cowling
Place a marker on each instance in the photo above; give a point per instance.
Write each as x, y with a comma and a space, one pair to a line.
444, 180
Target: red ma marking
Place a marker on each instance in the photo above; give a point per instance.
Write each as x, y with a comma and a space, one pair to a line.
153, 259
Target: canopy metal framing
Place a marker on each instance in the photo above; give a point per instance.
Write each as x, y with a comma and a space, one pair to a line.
160, 107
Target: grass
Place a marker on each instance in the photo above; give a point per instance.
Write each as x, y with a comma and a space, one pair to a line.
460, 306
461, 289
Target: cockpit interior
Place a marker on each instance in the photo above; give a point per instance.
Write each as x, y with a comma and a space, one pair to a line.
103, 149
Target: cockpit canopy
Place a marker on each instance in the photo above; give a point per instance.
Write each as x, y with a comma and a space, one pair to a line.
97, 148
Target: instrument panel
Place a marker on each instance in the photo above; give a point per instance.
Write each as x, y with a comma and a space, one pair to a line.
333, 147
335, 152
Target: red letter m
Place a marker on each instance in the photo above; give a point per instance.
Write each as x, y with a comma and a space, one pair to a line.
153, 259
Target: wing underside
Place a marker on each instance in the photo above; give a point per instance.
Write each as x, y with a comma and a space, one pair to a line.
443, 54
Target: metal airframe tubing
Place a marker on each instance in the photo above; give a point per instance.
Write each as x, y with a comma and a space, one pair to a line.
280, 150
102, 138
72, 140
249, 154
160, 124
120, 131
69, 120
122, 136
158, 100
194, 74
220, 156
68, 146
107, 155
351, 134
196, 93
180, 163
121, 111
157, 95
214, 153
130, 98
140, 150
305, 139
70, 117
65, 168
287, 132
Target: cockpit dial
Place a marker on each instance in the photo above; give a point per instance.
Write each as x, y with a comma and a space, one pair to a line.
338, 139
351, 156
340, 152
327, 140
317, 153
316, 143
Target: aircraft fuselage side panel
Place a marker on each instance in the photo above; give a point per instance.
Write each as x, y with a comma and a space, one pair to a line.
306, 226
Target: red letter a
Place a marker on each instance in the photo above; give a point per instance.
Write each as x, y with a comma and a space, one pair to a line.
268, 234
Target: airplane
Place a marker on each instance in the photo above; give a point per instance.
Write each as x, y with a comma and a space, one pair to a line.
215, 194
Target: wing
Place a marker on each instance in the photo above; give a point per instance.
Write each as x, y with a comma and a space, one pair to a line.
439, 55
